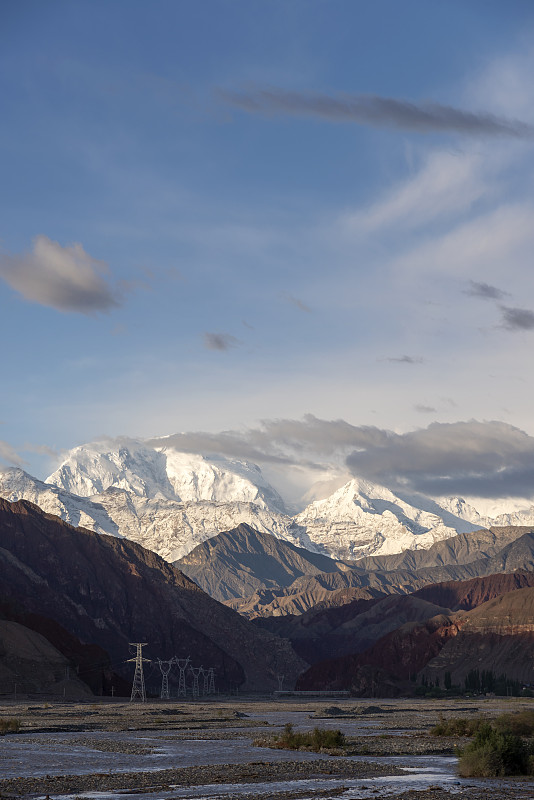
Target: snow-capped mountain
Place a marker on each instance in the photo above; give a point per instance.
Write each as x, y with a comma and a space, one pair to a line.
496, 513
163, 473
170, 502
168, 527
15, 484
363, 519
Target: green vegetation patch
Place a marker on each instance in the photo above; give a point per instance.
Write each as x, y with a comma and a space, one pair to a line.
501, 747
9, 725
457, 726
493, 754
317, 740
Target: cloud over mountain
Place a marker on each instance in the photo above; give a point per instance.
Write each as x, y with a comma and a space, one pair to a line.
485, 459
9, 455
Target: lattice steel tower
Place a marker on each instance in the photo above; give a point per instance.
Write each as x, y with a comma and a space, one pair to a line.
196, 673
205, 685
211, 679
181, 663
138, 686
165, 667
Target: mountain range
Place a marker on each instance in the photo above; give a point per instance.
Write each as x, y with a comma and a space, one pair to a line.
93, 594
224, 563
170, 502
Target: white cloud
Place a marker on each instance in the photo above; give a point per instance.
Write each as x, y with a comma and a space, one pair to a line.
65, 278
505, 85
494, 246
447, 184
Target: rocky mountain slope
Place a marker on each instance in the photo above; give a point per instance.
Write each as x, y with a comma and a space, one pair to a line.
329, 633
466, 595
30, 663
243, 560
110, 592
89, 662
497, 635
489, 552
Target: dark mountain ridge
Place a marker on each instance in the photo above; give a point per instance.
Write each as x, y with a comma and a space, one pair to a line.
325, 633
110, 592
237, 563
498, 550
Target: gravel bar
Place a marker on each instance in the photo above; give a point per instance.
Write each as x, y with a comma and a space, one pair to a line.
256, 772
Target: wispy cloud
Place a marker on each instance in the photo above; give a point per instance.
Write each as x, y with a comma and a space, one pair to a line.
65, 278
405, 359
517, 319
40, 449
220, 341
422, 409
377, 111
297, 303
445, 184
480, 246
485, 291
9, 455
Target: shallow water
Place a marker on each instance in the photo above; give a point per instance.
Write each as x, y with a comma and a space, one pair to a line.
59, 754
422, 777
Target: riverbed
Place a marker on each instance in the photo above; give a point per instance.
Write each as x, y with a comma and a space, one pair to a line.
197, 749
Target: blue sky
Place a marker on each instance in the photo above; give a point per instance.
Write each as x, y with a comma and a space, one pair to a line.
220, 212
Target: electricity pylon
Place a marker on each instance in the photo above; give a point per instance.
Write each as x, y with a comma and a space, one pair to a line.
181, 663
165, 667
196, 673
211, 679
138, 686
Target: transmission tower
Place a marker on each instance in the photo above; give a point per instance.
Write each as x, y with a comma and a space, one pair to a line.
196, 672
204, 673
138, 686
211, 678
280, 682
165, 667
182, 664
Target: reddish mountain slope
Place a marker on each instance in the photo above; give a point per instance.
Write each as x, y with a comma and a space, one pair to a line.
497, 635
350, 629
466, 595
